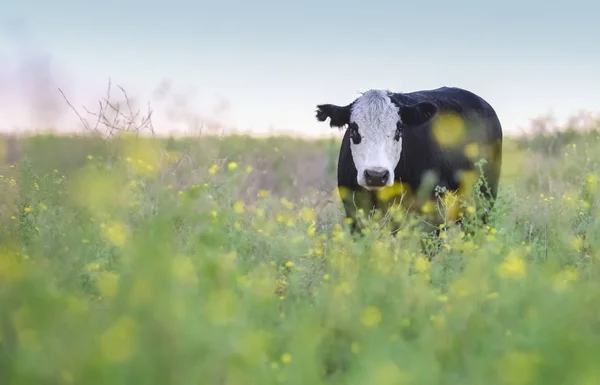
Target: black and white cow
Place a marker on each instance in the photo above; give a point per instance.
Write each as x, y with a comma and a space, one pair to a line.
402, 139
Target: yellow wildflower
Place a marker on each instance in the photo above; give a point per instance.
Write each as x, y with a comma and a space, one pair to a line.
183, 270
387, 373
115, 232
570, 274
448, 129
222, 307
238, 207
307, 214
286, 358
518, 368
108, 284
428, 207
370, 316
213, 169
311, 230
11, 270
513, 266
117, 344
577, 243
289, 205
421, 264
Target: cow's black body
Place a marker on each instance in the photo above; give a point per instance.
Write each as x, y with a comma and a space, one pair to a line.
422, 153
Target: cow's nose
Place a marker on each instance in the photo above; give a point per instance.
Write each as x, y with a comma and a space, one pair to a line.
376, 177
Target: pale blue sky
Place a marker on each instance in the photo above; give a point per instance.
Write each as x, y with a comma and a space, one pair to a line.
273, 61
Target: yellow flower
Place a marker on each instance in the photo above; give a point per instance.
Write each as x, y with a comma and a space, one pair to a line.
238, 207
517, 368
307, 214
117, 344
570, 274
577, 243
263, 193
592, 180
11, 270
289, 205
92, 266
213, 169
286, 358
439, 320
183, 270
253, 345
108, 284
28, 209
421, 264
140, 291
471, 150
90, 157
370, 316
311, 230
116, 233
387, 373
222, 307
513, 266
428, 207
344, 288
448, 129
232, 165
249, 169
76, 305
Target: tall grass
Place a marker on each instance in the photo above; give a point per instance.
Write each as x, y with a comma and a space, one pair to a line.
226, 262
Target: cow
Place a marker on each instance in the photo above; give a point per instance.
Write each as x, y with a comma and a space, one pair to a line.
412, 143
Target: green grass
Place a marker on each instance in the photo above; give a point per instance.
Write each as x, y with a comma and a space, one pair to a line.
154, 261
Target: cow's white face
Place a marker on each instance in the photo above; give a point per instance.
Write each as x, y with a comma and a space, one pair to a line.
374, 139
375, 125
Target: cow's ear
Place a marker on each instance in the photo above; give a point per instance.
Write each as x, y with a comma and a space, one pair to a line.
417, 114
338, 116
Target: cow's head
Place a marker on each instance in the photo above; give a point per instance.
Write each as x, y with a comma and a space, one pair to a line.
377, 124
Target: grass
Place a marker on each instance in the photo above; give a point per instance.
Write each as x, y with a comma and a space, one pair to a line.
206, 261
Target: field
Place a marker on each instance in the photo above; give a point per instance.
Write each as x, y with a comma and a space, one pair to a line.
226, 261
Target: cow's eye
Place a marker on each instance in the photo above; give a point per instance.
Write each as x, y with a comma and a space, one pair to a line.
354, 135
399, 131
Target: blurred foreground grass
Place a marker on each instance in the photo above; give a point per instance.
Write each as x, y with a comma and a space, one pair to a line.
207, 261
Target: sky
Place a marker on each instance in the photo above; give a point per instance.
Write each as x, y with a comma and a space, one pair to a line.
263, 66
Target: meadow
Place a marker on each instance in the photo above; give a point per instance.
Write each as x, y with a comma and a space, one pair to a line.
226, 261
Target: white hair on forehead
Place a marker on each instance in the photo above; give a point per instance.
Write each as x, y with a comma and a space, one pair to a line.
374, 106
376, 117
